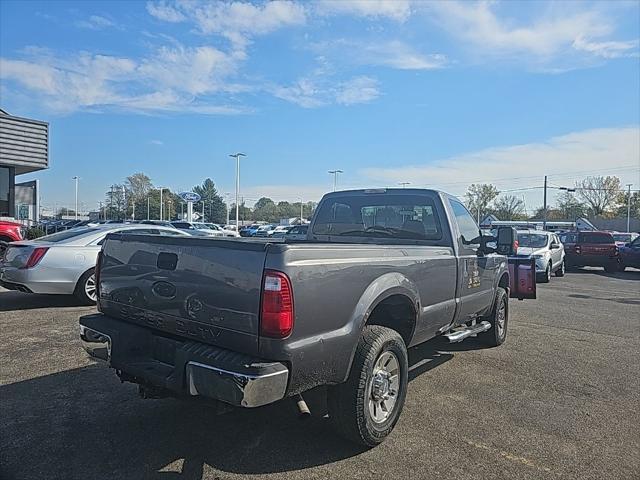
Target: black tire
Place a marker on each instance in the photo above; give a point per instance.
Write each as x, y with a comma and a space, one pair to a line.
561, 269
81, 288
612, 267
349, 403
497, 334
546, 276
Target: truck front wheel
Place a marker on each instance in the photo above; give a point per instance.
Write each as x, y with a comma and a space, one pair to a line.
367, 406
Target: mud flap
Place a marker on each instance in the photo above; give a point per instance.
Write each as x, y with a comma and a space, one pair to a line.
522, 278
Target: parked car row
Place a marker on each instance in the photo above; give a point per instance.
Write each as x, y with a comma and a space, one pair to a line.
64, 262
290, 232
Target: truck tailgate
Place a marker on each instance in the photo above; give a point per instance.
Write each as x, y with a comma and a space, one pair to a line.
204, 289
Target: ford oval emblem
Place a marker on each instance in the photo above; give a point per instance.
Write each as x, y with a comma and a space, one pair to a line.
191, 197
164, 289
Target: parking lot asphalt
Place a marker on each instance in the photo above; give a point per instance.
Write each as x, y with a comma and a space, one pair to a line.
560, 399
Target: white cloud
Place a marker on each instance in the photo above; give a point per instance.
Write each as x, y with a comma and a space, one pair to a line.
565, 158
610, 49
162, 10
558, 34
95, 22
398, 10
236, 21
357, 90
392, 53
156, 142
171, 80
316, 91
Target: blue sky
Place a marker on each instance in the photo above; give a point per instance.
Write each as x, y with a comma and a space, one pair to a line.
439, 94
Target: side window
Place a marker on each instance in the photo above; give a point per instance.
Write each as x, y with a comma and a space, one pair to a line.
469, 231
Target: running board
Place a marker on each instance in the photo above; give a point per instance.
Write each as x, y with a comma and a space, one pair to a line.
459, 335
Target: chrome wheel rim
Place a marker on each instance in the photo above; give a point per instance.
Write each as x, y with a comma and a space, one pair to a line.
501, 318
90, 287
384, 387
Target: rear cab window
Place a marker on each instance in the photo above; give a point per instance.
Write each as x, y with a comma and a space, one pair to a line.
595, 237
380, 216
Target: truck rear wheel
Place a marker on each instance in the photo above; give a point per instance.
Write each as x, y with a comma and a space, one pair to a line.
366, 408
499, 317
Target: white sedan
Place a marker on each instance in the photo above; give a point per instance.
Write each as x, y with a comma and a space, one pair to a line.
63, 263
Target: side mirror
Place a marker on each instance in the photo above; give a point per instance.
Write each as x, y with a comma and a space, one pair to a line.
507, 240
554, 246
627, 244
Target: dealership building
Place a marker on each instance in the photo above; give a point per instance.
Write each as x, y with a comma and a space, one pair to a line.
24, 148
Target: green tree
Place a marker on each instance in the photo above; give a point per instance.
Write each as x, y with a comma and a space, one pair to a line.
115, 202
215, 209
265, 210
479, 197
622, 201
509, 207
600, 193
244, 212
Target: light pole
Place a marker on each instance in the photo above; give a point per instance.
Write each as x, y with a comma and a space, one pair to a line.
76, 178
161, 188
629, 208
148, 207
237, 157
227, 195
203, 211
301, 211
335, 177
404, 184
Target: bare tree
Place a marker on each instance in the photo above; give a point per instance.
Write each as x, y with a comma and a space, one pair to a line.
509, 207
138, 185
600, 193
478, 198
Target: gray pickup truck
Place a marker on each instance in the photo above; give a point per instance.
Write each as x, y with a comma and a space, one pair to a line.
249, 322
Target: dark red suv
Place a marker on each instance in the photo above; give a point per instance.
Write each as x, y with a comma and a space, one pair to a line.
591, 249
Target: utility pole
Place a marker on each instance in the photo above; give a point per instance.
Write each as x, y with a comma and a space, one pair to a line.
335, 177
544, 217
124, 204
404, 184
227, 195
203, 211
148, 207
237, 157
111, 204
301, 211
629, 209
161, 203
76, 178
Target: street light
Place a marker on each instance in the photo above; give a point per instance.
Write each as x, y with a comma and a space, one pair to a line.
237, 157
76, 178
161, 188
335, 177
629, 208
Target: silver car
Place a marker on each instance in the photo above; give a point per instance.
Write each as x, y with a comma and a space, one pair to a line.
63, 263
547, 250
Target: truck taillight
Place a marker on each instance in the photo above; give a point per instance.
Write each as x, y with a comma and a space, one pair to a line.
276, 314
36, 256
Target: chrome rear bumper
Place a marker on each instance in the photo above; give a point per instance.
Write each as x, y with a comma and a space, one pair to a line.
197, 369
